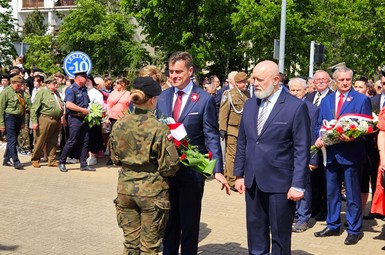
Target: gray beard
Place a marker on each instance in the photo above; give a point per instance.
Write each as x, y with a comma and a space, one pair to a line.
264, 93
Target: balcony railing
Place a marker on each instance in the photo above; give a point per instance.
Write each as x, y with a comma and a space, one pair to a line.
40, 3
33, 3
63, 3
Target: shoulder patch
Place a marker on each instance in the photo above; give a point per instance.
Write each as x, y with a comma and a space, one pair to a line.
224, 96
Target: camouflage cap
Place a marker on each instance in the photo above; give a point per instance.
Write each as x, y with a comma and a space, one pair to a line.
148, 85
17, 78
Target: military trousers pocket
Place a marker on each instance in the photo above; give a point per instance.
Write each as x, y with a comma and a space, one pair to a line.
160, 217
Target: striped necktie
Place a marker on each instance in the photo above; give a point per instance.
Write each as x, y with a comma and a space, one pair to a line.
262, 116
317, 99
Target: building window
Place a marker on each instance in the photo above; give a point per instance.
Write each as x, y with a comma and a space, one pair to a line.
59, 3
33, 3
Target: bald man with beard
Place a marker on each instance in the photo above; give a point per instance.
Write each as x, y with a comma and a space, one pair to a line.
272, 160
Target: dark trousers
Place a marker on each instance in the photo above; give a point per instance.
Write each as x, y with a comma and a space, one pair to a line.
186, 192
78, 132
303, 206
265, 213
13, 125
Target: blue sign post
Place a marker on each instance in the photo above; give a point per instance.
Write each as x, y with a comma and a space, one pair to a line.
77, 61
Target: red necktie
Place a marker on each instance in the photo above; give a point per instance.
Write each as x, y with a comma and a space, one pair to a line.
339, 106
177, 106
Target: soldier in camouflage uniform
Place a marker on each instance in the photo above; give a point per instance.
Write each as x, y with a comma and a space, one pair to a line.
139, 142
230, 113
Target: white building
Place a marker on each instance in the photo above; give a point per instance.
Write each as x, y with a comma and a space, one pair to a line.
49, 8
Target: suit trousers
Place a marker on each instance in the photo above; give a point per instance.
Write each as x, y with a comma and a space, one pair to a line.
47, 133
186, 192
78, 134
351, 175
303, 206
13, 125
267, 212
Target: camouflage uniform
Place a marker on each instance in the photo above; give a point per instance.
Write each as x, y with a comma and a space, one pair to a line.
230, 113
139, 142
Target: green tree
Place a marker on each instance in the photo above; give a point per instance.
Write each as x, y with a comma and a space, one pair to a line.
8, 34
107, 37
40, 53
34, 24
203, 28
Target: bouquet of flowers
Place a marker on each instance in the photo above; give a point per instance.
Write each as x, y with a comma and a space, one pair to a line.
95, 114
351, 126
189, 154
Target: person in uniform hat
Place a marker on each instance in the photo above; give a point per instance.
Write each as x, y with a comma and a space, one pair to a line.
230, 113
46, 117
76, 103
12, 111
139, 143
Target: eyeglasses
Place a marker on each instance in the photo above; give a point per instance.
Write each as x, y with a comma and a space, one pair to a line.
322, 80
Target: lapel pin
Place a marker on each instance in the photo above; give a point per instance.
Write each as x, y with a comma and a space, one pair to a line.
194, 97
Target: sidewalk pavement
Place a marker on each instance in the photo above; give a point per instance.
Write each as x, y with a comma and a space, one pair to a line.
44, 211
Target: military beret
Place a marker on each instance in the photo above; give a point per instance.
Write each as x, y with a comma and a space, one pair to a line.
50, 79
81, 73
147, 85
17, 78
240, 76
6, 76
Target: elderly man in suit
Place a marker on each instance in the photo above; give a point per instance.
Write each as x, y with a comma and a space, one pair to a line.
272, 160
191, 105
345, 159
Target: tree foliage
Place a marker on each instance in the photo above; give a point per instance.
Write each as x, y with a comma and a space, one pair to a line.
202, 27
8, 34
230, 34
34, 24
40, 53
107, 37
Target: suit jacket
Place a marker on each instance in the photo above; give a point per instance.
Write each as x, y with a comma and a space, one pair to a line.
278, 158
310, 97
313, 115
376, 101
346, 153
200, 120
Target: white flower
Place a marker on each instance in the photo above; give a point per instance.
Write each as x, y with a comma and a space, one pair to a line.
363, 126
168, 120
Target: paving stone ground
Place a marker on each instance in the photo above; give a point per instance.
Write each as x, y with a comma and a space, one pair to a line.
44, 211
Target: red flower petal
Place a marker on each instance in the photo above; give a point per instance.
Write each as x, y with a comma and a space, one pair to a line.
183, 156
210, 155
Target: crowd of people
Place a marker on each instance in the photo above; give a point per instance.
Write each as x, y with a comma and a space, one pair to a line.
259, 127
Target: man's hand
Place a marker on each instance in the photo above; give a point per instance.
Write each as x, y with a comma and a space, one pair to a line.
221, 178
312, 167
85, 111
345, 138
35, 126
222, 134
2, 129
294, 195
240, 185
319, 143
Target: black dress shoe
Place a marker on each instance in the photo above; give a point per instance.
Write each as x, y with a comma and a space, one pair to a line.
7, 163
109, 162
370, 216
62, 168
87, 168
353, 239
327, 232
18, 166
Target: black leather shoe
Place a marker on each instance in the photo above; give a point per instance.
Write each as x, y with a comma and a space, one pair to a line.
87, 168
18, 166
62, 168
109, 162
7, 163
327, 232
353, 239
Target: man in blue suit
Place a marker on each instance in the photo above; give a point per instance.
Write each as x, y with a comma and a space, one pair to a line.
272, 160
345, 159
191, 105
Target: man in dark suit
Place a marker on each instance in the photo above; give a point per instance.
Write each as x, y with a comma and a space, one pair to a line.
303, 210
345, 159
321, 80
191, 105
272, 160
